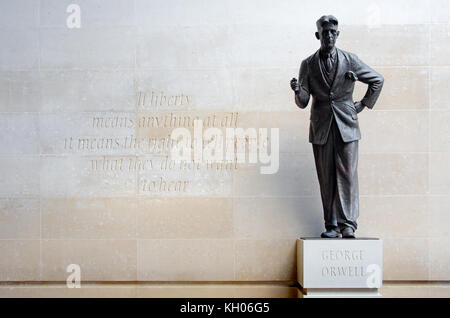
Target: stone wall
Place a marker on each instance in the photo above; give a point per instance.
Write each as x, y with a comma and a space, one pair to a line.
75, 188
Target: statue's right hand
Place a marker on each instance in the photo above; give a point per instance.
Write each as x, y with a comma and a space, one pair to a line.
294, 84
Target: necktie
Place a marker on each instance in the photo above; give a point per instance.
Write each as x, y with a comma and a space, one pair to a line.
329, 64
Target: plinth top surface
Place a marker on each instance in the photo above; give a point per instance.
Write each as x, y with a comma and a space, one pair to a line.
338, 238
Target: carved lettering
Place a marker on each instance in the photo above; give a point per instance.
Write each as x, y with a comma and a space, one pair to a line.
161, 99
343, 271
342, 255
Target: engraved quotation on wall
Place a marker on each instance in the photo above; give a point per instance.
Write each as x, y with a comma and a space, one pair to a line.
139, 144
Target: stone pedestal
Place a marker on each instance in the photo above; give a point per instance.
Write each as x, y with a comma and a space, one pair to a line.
339, 267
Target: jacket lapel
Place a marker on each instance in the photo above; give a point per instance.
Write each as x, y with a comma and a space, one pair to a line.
318, 68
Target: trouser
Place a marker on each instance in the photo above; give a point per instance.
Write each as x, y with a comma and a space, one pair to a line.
336, 166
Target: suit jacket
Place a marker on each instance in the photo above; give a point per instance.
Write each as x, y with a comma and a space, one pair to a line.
335, 100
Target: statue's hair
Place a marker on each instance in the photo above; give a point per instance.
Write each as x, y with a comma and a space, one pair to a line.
325, 20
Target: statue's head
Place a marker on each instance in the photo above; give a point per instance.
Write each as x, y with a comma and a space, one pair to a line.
327, 31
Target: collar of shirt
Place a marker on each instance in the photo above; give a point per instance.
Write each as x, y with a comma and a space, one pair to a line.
323, 55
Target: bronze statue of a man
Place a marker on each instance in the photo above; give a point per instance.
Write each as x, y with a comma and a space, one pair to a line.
329, 75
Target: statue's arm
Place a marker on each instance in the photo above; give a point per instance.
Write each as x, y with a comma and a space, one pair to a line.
370, 77
302, 88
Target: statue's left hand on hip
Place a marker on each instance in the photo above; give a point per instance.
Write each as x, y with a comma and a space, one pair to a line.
359, 107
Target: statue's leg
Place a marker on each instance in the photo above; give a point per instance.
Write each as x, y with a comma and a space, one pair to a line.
326, 173
347, 194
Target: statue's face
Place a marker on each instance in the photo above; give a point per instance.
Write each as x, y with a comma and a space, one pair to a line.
327, 35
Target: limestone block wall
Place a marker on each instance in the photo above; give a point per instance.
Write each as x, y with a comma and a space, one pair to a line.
78, 187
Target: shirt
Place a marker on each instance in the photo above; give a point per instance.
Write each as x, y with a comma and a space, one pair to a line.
329, 71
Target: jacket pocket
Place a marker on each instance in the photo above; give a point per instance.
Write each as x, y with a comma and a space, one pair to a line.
350, 105
353, 110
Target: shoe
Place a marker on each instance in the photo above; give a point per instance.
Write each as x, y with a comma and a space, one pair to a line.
330, 234
348, 233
